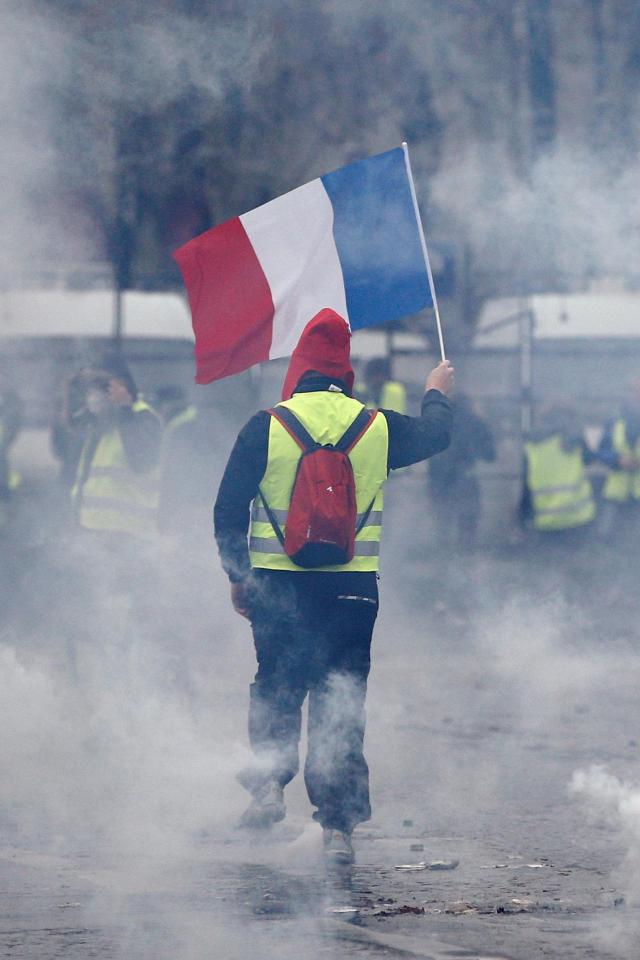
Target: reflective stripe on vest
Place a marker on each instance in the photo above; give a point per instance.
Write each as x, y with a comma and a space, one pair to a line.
622, 485
265, 545
326, 415
560, 489
113, 497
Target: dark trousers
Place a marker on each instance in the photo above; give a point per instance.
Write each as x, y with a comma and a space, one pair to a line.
312, 635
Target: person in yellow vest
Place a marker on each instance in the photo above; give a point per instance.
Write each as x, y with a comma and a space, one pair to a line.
557, 499
619, 450
115, 493
312, 628
10, 424
379, 390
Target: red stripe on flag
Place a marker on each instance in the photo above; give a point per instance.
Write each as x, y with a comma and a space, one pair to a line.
230, 300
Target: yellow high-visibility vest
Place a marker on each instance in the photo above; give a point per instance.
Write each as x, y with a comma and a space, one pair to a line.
188, 415
560, 488
113, 497
326, 416
393, 396
623, 485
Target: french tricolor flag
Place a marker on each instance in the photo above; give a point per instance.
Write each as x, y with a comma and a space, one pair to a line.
350, 240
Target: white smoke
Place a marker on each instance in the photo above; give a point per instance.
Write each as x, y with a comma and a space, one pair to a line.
617, 802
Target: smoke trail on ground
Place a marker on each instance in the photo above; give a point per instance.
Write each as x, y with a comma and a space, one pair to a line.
617, 802
614, 804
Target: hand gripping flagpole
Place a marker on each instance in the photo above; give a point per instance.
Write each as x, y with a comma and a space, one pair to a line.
425, 252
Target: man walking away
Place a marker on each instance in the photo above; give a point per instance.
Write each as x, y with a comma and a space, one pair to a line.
312, 626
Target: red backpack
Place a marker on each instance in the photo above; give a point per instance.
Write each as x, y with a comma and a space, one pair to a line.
321, 523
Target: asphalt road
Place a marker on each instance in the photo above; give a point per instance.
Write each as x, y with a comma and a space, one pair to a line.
495, 682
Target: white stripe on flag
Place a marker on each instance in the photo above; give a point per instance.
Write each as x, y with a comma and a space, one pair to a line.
292, 237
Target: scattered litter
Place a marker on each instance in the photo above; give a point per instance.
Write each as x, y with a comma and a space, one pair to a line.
531, 866
434, 865
407, 823
68, 906
349, 910
522, 905
494, 866
460, 906
271, 904
416, 847
398, 911
619, 902
511, 908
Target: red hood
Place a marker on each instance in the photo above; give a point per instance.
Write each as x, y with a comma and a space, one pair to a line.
324, 345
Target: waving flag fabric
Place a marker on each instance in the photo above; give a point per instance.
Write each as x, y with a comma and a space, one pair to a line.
349, 240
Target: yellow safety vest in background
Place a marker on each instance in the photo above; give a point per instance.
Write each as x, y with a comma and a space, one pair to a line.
188, 415
393, 396
113, 497
622, 485
560, 489
326, 416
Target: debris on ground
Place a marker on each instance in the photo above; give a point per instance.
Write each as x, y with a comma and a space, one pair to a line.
402, 908
460, 906
271, 903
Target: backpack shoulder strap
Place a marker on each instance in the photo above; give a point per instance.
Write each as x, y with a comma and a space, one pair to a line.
353, 433
293, 427
277, 529
348, 441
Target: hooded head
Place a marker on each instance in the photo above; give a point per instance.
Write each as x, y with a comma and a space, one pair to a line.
324, 347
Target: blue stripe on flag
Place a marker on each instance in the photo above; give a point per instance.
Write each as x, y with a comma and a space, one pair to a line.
377, 238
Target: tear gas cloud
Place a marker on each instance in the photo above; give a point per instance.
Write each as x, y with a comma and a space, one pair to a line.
618, 803
615, 804
126, 747
561, 216
490, 683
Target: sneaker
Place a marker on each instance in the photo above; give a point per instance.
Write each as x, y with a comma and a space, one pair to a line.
265, 809
337, 846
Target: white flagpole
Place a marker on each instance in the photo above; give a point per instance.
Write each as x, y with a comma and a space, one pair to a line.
425, 252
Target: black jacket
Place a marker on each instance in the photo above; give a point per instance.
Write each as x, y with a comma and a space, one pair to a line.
411, 439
